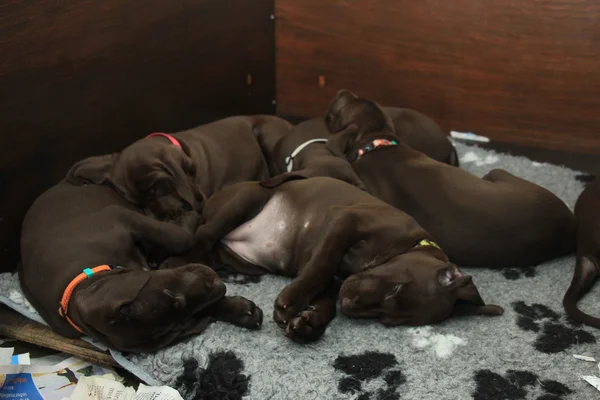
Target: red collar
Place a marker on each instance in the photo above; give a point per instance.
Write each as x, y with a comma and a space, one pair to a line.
166, 135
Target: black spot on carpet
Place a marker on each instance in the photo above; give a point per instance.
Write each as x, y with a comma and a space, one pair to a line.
516, 385
349, 385
517, 273
367, 366
554, 334
585, 178
521, 378
222, 379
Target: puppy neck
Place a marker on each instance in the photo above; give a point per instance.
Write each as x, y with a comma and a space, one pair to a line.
67, 310
429, 246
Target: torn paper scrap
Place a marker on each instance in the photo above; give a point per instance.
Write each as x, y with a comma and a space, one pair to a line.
157, 393
592, 380
108, 388
584, 358
20, 359
101, 388
5, 355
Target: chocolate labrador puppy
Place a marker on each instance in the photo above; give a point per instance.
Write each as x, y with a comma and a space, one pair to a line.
321, 228
497, 221
84, 269
167, 174
304, 148
587, 212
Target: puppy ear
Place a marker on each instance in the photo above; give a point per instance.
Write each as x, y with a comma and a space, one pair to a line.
183, 187
468, 292
469, 309
469, 301
96, 170
339, 144
92, 303
339, 102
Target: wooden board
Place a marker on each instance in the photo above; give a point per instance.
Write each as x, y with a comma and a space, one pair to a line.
86, 77
525, 72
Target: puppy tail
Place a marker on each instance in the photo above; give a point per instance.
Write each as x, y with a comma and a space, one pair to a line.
586, 273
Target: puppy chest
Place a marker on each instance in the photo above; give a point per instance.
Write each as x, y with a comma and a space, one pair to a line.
267, 239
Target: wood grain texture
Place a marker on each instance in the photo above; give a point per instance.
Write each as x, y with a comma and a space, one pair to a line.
15, 326
86, 77
525, 72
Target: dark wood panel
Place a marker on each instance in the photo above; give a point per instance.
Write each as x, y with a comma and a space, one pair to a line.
89, 76
524, 72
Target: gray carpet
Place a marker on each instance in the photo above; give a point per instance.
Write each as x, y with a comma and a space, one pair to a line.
525, 354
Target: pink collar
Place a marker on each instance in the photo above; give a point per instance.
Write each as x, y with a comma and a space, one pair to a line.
166, 135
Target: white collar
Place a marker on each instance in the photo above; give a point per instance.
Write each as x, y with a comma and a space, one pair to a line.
289, 161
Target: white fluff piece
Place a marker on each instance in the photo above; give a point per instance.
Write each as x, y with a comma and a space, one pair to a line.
442, 345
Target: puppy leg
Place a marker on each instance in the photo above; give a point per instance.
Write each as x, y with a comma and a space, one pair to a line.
170, 237
310, 324
227, 210
339, 235
238, 311
499, 175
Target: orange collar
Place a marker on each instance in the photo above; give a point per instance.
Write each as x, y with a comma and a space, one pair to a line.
63, 309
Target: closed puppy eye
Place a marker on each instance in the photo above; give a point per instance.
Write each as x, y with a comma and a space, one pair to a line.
394, 292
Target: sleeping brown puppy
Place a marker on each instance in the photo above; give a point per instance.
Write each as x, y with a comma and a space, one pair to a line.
167, 174
74, 240
321, 228
303, 149
497, 221
587, 212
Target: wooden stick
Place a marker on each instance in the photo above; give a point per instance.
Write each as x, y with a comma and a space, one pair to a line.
16, 326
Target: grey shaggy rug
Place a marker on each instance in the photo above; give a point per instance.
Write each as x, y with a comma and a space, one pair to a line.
525, 354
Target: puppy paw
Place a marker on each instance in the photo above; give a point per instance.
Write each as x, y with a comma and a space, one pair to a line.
203, 243
189, 221
305, 327
286, 309
246, 314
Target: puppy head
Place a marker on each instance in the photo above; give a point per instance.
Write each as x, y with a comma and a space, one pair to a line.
349, 118
346, 109
151, 173
134, 310
414, 288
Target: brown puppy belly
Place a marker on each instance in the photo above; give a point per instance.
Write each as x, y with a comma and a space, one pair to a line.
267, 239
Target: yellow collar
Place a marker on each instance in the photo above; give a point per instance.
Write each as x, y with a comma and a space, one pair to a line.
427, 242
